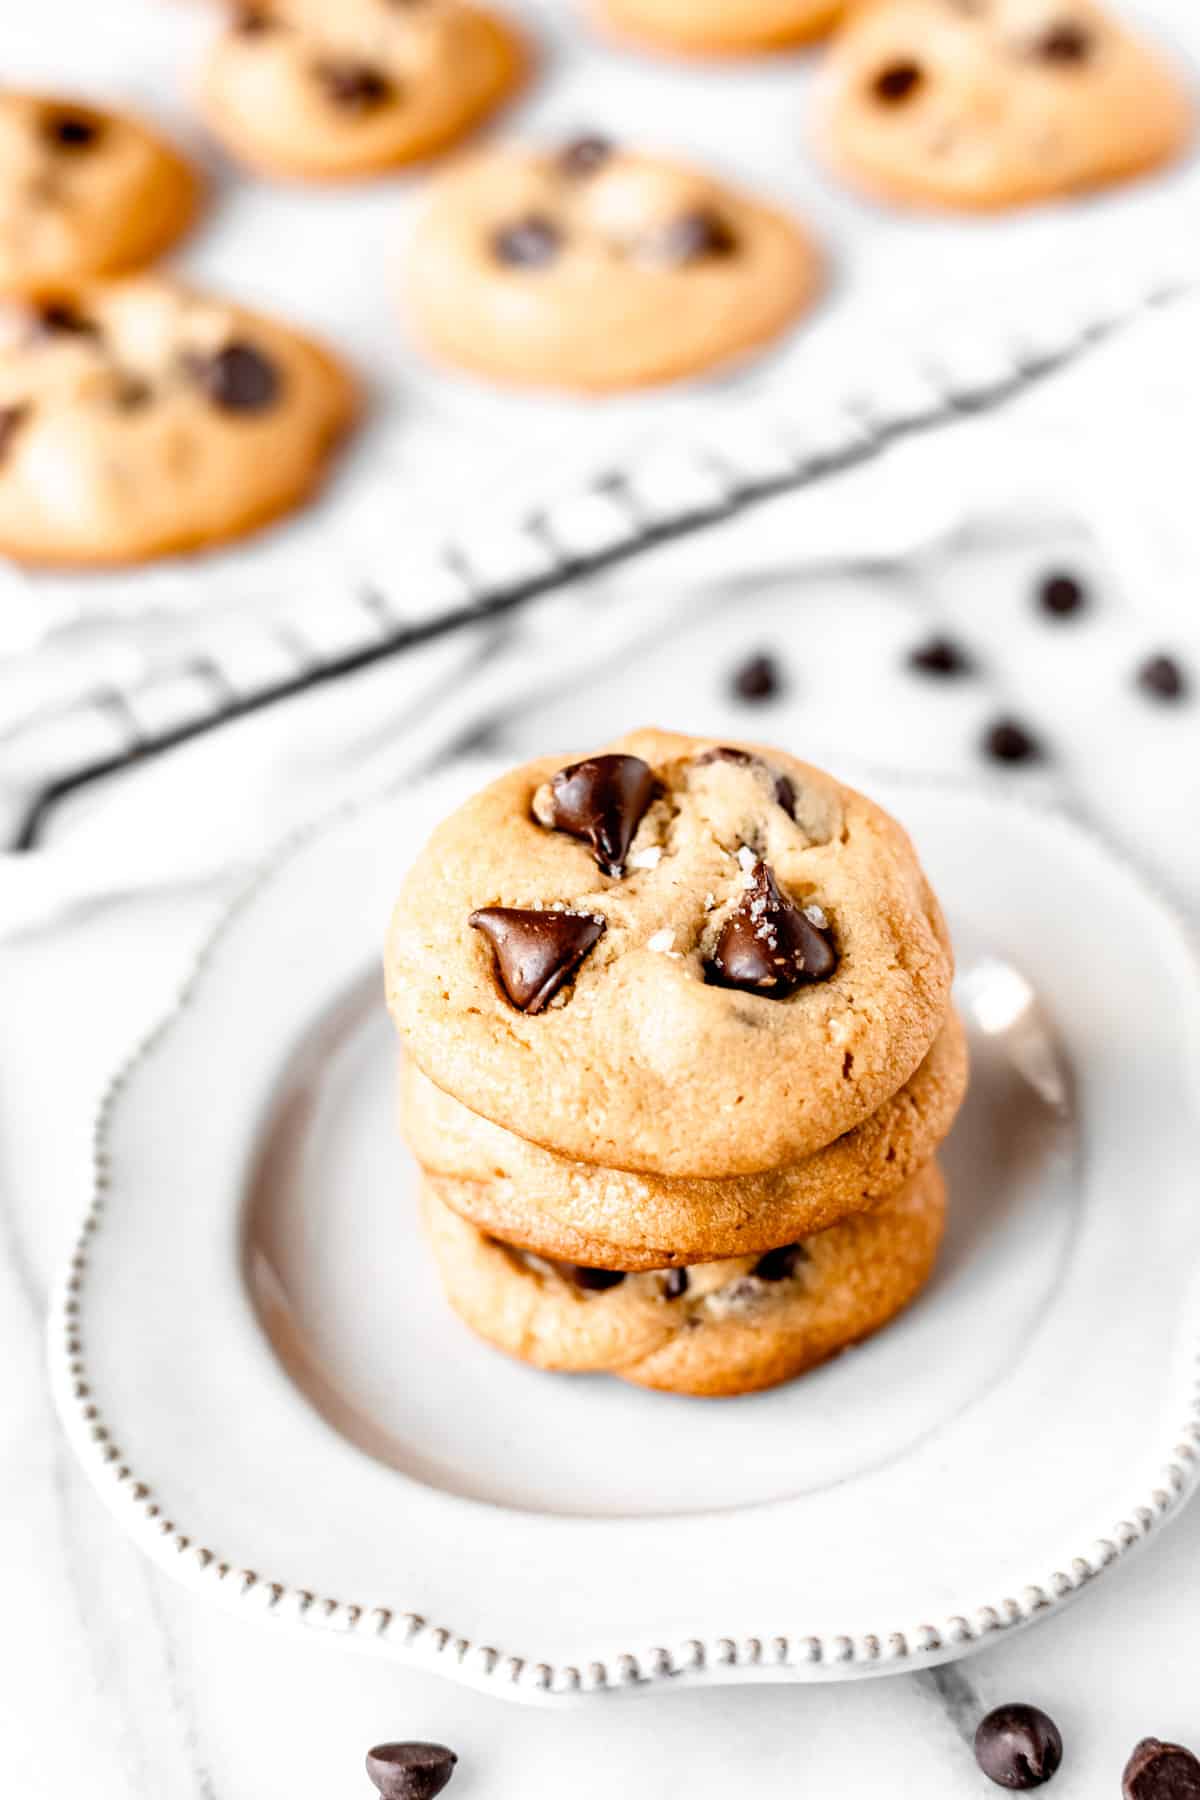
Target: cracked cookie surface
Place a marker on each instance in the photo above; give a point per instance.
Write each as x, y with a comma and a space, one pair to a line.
138, 417
993, 103
723, 1328
321, 91
612, 1219
646, 1058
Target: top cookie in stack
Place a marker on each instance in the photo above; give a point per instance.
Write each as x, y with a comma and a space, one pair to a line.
679, 1003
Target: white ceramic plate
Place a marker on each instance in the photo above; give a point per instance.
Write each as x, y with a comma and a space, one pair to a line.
255, 1364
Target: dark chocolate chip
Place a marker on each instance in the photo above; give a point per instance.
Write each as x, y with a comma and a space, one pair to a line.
238, 378
355, 87
1061, 596
410, 1771
785, 792
584, 155
897, 82
758, 678
59, 318
11, 419
528, 243
603, 801
536, 952
1018, 1746
781, 1264
675, 1284
1067, 42
1162, 678
768, 945
71, 130
1158, 1771
1008, 741
592, 1281
699, 236
939, 656
252, 21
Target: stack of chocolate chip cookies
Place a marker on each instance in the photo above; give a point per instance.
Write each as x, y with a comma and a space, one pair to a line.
679, 1052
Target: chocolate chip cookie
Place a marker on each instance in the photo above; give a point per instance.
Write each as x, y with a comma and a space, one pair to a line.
719, 27
84, 192
138, 417
721, 1328
327, 92
606, 1218
676, 956
991, 103
589, 266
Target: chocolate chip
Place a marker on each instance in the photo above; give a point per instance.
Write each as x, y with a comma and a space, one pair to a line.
603, 801
252, 21
355, 87
238, 378
939, 656
11, 419
785, 792
675, 1284
768, 945
1018, 1746
55, 318
1066, 42
410, 1771
1158, 1771
1162, 678
71, 130
781, 1264
1008, 741
536, 952
528, 243
584, 155
699, 236
759, 678
897, 82
1061, 596
592, 1281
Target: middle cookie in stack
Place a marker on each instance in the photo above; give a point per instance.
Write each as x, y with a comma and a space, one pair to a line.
728, 1058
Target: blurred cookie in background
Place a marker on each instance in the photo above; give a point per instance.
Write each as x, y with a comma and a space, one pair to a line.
84, 192
994, 103
138, 417
719, 27
593, 267
330, 92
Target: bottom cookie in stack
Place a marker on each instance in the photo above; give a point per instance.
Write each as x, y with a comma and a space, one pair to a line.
714, 1328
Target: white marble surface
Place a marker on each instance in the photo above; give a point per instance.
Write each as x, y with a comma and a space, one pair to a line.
114, 1683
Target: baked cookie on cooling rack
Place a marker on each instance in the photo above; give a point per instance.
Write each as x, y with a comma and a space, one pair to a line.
993, 103
333, 91
139, 417
84, 192
719, 27
593, 267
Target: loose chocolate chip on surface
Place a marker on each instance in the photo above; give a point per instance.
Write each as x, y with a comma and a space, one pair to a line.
939, 656
528, 243
785, 792
536, 952
898, 81
238, 378
699, 236
1162, 679
1158, 1771
11, 419
71, 130
1008, 741
593, 1281
768, 946
781, 1264
1067, 42
355, 87
410, 1771
584, 155
603, 801
758, 678
1061, 596
1018, 1746
675, 1284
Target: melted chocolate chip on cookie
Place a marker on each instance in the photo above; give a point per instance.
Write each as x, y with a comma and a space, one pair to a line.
781, 1264
897, 82
1158, 1771
785, 792
699, 236
675, 1284
71, 130
355, 87
11, 419
411, 1771
528, 243
603, 801
769, 945
252, 21
238, 379
592, 1281
536, 952
59, 318
584, 155
1066, 42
